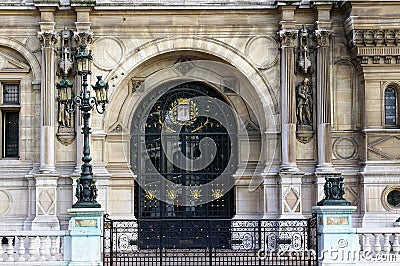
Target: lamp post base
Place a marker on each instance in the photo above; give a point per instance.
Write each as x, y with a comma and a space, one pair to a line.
86, 204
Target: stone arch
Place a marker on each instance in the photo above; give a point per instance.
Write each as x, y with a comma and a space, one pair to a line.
28, 55
260, 88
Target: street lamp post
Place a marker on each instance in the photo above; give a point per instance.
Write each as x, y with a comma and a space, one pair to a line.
86, 190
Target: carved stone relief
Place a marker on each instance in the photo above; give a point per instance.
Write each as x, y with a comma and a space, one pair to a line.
46, 204
384, 148
303, 52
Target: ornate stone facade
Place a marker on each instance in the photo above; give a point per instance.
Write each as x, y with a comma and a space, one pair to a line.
260, 53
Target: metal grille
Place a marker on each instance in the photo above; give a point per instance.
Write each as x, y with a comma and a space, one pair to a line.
212, 242
390, 107
11, 93
11, 134
173, 124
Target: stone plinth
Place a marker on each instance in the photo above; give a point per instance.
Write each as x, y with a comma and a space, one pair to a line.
85, 231
338, 242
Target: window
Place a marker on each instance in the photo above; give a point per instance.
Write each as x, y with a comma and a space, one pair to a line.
390, 107
10, 120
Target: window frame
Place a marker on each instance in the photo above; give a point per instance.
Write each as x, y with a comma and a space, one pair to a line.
396, 91
9, 107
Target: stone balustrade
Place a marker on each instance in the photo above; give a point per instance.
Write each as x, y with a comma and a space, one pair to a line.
26, 247
380, 241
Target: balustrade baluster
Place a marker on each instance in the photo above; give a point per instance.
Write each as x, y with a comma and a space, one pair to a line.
1, 249
396, 244
32, 248
367, 243
53, 247
21, 248
42, 248
10, 248
386, 244
377, 244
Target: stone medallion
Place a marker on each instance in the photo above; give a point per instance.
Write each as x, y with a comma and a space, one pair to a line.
345, 148
262, 51
107, 53
5, 202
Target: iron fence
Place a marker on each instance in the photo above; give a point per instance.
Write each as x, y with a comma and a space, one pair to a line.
211, 242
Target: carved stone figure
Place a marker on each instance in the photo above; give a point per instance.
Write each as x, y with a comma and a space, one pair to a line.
304, 103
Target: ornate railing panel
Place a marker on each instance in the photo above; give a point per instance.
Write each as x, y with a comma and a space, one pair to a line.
209, 242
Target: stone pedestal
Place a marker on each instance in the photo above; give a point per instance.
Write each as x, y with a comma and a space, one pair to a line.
45, 204
290, 197
338, 243
85, 231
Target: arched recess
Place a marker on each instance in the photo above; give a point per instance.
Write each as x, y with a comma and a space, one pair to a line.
28, 55
152, 64
255, 84
345, 108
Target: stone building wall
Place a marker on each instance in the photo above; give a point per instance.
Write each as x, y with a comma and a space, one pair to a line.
350, 56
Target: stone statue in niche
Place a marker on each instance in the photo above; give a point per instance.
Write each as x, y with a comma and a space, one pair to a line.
303, 58
304, 103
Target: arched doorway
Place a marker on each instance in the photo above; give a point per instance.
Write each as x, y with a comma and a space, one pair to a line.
183, 150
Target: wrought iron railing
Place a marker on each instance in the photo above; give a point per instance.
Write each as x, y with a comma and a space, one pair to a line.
210, 242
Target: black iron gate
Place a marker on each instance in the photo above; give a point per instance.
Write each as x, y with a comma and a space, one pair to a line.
211, 242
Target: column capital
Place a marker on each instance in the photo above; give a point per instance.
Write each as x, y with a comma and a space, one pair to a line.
47, 38
288, 38
83, 37
323, 37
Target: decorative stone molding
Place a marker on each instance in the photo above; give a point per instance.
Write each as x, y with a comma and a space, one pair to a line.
136, 85
288, 38
375, 46
323, 37
375, 37
47, 38
66, 138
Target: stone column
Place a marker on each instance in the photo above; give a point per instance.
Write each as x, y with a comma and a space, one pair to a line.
289, 178
47, 36
289, 154
323, 102
47, 176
